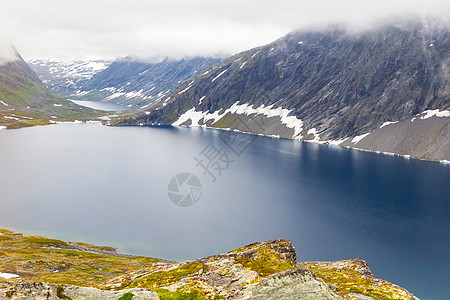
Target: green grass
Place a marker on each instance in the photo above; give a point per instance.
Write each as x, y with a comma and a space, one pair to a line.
127, 296
172, 117
94, 247
40, 241
168, 295
245, 248
32, 100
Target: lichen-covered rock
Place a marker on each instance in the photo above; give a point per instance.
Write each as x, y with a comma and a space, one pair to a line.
291, 284
219, 275
24, 290
354, 280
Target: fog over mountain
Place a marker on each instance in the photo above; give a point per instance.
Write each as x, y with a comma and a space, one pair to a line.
7, 54
108, 29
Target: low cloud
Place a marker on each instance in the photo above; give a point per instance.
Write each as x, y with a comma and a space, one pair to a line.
111, 28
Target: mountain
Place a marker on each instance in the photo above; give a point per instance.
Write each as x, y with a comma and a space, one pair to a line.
329, 86
42, 268
25, 101
65, 78
127, 81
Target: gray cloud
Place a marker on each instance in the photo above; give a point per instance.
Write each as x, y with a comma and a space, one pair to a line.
149, 28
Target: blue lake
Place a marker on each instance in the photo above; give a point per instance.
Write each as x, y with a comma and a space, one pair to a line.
106, 185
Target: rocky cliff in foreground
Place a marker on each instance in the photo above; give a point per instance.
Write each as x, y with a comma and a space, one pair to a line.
329, 86
40, 268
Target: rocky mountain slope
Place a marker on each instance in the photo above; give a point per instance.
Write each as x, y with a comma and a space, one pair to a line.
330, 86
25, 101
127, 81
40, 268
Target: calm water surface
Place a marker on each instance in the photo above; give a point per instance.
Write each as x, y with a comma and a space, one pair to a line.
100, 105
109, 186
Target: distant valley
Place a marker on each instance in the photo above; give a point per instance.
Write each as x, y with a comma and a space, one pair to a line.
127, 81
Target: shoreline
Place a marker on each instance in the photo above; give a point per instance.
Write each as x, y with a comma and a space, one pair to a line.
327, 143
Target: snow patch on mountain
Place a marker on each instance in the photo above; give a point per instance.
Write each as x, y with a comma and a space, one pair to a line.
436, 112
247, 109
67, 77
387, 124
72, 69
337, 142
316, 138
8, 275
358, 138
135, 94
215, 78
115, 95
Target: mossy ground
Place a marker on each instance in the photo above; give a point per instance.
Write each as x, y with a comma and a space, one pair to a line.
266, 263
21, 119
94, 247
40, 259
168, 295
127, 296
165, 278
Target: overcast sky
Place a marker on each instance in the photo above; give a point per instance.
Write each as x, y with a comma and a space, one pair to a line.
176, 28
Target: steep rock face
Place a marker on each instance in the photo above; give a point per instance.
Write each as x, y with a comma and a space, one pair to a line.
332, 83
425, 136
290, 284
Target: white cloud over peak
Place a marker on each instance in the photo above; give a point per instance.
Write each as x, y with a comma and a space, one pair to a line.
175, 28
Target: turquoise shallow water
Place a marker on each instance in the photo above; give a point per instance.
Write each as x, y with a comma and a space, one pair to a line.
104, 185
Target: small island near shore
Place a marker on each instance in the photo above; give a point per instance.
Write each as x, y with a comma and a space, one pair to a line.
35, 267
